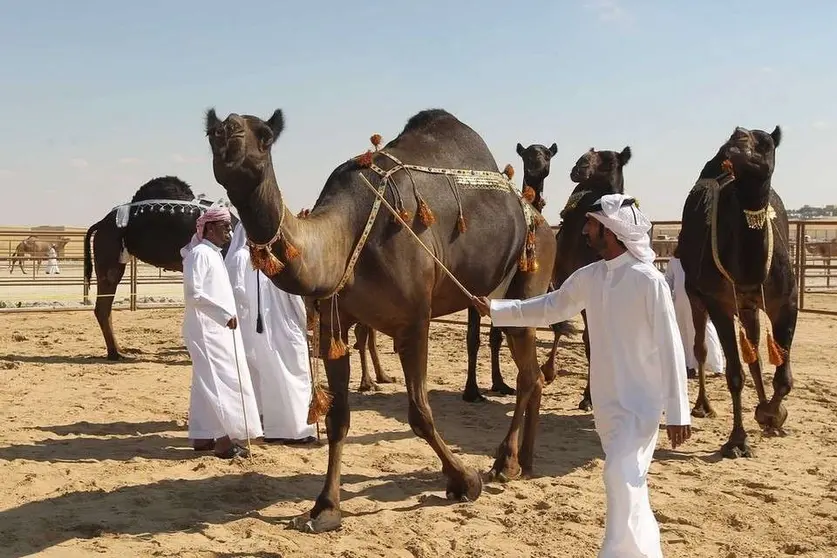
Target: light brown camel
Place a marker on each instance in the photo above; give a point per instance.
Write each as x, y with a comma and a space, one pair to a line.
37, 248
366, 267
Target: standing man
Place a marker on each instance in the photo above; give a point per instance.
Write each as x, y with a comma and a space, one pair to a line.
637, 366
273, 324
220, 377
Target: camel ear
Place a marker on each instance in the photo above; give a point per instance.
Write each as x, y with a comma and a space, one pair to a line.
776, 134
520, 150
276, 123
553, 149
211, 120
625, 156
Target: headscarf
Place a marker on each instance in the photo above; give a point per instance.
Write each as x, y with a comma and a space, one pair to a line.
619, 214
211, 215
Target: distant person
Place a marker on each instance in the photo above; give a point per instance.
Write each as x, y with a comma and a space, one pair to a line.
637, 367
273, 326
52, 261
220, 377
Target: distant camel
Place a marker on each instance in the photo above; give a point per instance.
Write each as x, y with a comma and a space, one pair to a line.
37, 248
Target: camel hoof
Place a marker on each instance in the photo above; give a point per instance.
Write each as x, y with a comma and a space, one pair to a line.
467, 489
328, 520
365, 386
117, 357
504, 472
585, 405
734, 450
770, 419
473, 396
386, 379
503, 389
703, 410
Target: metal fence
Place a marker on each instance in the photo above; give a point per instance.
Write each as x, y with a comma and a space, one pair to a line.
153, 287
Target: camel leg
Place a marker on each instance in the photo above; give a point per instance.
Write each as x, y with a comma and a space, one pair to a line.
506, 464
737, 445
361, 339
702, 408
107, 280
472, 393
325, 515
750, 321
548, 367
464, 483
773, 415
372, 345
495, 341
586, 403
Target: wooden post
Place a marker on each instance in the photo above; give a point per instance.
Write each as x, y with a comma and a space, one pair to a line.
802, 258
133, 299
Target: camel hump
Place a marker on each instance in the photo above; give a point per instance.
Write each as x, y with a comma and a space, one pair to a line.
429, 119
164, 188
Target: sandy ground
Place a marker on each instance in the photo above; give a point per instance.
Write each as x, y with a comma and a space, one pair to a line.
95, 460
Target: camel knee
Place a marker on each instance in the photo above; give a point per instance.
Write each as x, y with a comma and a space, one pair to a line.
782, 382
421, 422
700, 352
735, 380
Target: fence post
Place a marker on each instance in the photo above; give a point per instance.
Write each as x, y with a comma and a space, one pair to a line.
802, 265
133, 299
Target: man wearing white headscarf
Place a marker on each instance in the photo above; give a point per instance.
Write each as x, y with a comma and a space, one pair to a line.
676, 278
273, 323
222, 405
637, 366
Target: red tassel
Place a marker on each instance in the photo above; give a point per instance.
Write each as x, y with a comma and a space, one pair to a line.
748, 351
376, 140
265, 261
461, 224
425, 213
509, 171
291, 251
364, 160
528, 194
775, 353
726, 166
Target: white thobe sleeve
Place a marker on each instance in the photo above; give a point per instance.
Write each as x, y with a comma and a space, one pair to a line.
238, 280
670, 276
547, 309
198, 288
672, 359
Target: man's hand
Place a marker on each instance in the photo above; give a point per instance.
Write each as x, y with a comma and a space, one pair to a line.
233, 323
678, 434
482, 304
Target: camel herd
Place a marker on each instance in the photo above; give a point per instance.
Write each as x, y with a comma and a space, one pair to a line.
354, 263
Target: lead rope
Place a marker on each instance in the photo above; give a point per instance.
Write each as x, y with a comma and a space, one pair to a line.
241, 392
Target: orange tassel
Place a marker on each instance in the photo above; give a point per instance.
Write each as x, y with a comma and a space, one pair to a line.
539, 220
426, 215
533, 264
509, 171
523, 262
337, 348
405, 215
726, 166
461, 224
265, 261
364, 160
775, 353
321, 401
528, 194
291, 251
530, 240
376, 140
303, 214
748, 352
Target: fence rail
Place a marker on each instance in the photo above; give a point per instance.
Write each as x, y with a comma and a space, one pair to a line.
812, 265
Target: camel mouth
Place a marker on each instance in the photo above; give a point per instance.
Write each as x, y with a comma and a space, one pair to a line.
580, 174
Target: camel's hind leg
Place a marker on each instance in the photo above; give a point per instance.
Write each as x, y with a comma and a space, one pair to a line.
325, 515
495, 341
464, 483
507, 465
586, 403
372, 345
366, 339
773, 415
107, 280
703, 408
472, 393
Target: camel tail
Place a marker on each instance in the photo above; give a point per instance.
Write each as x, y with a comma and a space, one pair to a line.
88, 253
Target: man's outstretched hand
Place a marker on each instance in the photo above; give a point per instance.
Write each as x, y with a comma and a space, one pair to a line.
678, 434
482, 304
233, 323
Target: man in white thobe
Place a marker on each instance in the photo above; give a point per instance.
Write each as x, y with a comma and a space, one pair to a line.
273, 325
637, 366
52, 261
222, 404
676, 279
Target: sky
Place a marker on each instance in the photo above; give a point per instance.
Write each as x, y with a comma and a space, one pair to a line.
98, 97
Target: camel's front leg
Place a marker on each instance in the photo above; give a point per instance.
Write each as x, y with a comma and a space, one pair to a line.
586, 403
464, 483
773, 415
522, 344
472, 393
495, 341
325, 515
703, 408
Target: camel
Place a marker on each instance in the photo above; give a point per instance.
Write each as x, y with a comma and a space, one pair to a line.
733, 245
154, 234
37, 248
596, 174
536, 165
366, 267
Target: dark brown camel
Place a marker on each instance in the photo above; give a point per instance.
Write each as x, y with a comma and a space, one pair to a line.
536, 164
395, 287
152, 235
597, 173
732, 269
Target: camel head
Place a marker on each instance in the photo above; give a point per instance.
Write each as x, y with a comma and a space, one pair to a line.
599, 163
241, 149
536, 159
752, 152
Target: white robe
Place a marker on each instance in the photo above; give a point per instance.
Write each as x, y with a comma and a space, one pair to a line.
676, 278
637, 371
215, 405
52, 262
278, 356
